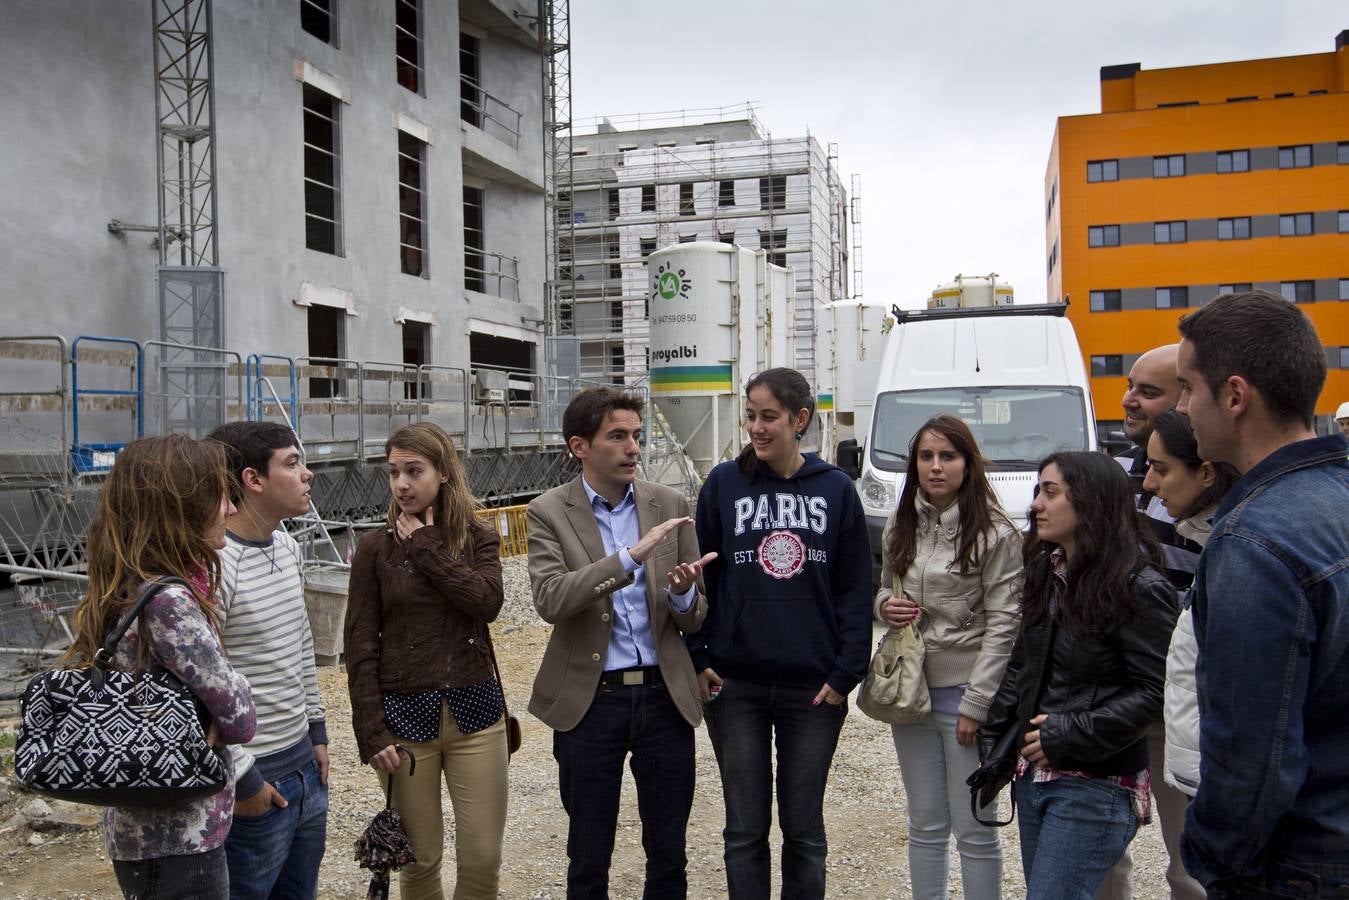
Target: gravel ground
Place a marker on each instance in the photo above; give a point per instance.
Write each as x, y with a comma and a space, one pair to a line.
864, 810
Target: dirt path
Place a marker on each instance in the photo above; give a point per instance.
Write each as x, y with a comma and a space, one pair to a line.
864, 808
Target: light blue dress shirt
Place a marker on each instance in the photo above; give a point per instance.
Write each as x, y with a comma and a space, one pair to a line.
631, 643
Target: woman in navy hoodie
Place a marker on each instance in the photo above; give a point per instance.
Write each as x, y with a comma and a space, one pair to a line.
787, 636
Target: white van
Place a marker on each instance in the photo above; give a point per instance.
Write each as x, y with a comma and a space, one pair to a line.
1014, 374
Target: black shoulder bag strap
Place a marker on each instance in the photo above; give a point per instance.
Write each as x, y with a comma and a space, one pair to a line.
103, 658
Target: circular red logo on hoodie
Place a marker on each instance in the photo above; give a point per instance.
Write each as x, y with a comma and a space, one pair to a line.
782, 554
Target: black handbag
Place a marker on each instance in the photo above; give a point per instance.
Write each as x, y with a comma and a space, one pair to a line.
995, 773
111, 738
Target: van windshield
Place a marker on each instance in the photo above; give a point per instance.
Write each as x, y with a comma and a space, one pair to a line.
1016, 427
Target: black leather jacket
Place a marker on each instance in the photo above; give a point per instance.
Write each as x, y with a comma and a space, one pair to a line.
1102, 692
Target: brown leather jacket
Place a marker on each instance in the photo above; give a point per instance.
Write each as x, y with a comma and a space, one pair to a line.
417, 621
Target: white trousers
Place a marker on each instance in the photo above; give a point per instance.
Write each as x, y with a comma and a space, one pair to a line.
934, 768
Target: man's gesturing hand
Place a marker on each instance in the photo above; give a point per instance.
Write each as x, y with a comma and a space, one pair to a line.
642, 550
685, 574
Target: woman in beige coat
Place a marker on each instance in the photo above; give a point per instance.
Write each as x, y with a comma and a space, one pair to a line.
951, 559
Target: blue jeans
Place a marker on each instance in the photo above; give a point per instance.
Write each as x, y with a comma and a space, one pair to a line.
640, 720
744, 722
197, 876
277, 854
1072, 831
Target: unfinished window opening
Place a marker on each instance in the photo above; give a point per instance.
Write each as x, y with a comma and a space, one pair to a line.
612, 254
687, 238
317, 18
470, 80
407, 43
475, 273
617, 362
775, 242
322, 171
611, 202
416, 352
616, 316
773, 192
487, 351
648, 198
411, 204
726, 193
327, 337
726, 237
686, 199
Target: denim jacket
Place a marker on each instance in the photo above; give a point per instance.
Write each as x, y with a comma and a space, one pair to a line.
1271, 608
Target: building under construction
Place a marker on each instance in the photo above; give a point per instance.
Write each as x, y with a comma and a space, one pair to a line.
636, 184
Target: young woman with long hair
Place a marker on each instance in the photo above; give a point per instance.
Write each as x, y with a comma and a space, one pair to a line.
787, 634
1085, 679
162, 513
419, 667
1191, 489
951, 559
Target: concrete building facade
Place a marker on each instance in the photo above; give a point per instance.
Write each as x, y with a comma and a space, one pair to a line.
638, 189
1196, 181
379, 176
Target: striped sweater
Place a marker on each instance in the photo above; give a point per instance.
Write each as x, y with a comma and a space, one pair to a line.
265, 630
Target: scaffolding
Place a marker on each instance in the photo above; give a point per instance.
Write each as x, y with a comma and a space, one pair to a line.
644, 181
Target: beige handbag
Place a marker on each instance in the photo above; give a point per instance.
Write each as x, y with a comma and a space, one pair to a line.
895, 688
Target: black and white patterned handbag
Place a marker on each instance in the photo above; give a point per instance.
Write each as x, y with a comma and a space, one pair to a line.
98, 735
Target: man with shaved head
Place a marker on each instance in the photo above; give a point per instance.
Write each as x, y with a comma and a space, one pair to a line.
1153, 388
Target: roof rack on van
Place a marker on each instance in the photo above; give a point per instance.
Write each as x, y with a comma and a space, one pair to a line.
922, 315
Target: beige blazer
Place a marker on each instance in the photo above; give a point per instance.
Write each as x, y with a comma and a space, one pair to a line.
573, 582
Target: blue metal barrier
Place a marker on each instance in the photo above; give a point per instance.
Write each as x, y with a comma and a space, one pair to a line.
98, 457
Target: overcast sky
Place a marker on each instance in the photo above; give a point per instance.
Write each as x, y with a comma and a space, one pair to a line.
947, 110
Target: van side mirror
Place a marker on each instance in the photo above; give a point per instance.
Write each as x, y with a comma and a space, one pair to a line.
1115, 443
848, 457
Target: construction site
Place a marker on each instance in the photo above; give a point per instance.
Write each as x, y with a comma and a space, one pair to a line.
239, 253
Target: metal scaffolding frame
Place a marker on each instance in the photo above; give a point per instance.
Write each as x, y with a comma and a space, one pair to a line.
559, 230
185, 120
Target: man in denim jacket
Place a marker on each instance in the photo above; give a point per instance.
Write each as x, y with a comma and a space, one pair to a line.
1271, 605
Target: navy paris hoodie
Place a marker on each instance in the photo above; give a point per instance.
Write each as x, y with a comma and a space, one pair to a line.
790, 591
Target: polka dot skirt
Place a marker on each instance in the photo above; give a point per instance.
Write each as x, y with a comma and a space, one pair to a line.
416, 717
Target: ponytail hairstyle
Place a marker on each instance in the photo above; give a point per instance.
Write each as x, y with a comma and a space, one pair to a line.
792, 392
1111, 545
979, 509
158, 504
455, 507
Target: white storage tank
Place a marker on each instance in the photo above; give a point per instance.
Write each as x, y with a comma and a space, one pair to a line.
858, 333
967, 291
718, 313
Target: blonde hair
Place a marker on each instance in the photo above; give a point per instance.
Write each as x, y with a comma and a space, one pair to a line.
455, 506
153, 514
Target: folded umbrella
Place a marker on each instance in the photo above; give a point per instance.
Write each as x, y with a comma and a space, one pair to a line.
384, 845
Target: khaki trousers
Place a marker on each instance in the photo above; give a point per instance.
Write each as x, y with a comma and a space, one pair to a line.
474, 769
1169, 807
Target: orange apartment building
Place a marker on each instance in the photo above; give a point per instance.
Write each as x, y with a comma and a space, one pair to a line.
1195, 181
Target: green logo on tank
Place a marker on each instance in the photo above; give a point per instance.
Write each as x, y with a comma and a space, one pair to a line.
671, 284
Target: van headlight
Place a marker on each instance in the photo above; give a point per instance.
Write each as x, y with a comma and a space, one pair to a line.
878, 497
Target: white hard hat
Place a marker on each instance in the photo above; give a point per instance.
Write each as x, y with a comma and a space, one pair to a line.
1343, 411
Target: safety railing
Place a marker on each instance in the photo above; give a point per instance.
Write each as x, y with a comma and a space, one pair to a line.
97, 457
193, 395
511, 524
492, 273
489, 112
269, 366
37, 396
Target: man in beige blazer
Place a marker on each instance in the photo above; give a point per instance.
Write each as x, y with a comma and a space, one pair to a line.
614, 566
